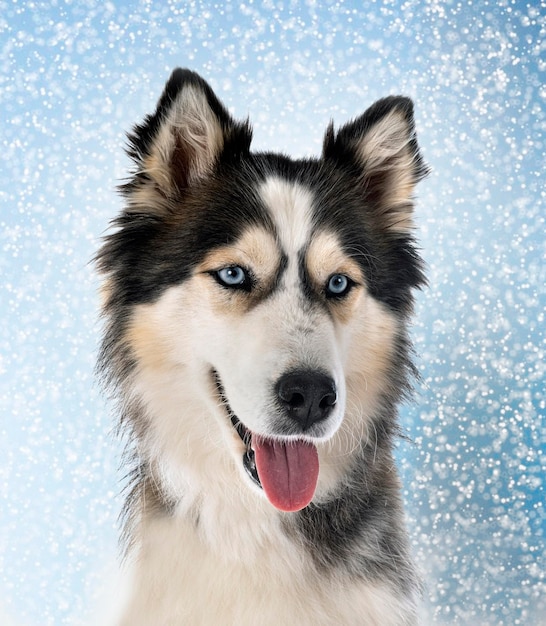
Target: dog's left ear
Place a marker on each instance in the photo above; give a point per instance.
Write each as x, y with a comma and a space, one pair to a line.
381, 149
181, 143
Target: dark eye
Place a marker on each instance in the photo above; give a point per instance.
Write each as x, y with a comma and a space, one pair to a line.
234, 277
338, 285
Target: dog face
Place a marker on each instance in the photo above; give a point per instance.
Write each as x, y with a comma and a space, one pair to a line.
259, 299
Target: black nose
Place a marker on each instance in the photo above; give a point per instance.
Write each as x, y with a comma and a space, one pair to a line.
306, 396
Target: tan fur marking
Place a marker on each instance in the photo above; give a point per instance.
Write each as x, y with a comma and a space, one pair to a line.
147, 198
256, 251
105, 291
372, 330
145, 340
326, 257
157, 167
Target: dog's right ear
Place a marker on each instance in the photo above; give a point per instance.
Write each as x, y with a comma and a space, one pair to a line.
180, 144
381, 148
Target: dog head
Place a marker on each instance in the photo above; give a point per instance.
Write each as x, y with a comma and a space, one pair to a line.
258, 299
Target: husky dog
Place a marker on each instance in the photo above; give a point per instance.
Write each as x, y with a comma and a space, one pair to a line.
255, 337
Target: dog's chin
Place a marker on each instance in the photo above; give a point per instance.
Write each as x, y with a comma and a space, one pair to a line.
284, 468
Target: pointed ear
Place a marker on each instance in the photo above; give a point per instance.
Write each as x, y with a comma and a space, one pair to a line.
181, 143
381, 149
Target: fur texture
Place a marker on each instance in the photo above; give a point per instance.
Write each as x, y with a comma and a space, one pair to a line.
256, 305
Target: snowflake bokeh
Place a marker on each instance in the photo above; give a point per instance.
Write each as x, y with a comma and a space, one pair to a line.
76, 75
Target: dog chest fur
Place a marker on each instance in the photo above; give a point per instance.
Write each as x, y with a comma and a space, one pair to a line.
182, 579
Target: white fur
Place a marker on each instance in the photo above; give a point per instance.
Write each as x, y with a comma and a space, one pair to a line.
203, 587
291, 207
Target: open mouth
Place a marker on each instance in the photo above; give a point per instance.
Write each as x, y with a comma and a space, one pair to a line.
286, 469
249, 458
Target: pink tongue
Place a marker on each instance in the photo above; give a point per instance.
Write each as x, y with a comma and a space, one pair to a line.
288, 472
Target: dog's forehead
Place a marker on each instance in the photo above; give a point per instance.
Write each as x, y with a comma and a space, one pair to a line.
290, 206
304, 243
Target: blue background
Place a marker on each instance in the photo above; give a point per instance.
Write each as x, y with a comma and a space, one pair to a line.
74, 76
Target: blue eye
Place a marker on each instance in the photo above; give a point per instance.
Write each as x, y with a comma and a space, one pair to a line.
233, 276
338, 286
